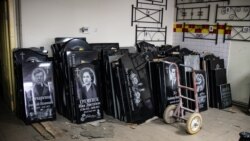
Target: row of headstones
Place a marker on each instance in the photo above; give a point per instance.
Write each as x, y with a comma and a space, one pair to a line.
212, 87
43, 86
71, 83
90, 78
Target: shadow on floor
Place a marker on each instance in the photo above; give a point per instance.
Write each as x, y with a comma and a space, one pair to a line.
14, 129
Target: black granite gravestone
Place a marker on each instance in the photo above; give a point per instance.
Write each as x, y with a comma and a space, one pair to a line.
164, 85
218, 77
86, 92
140, 99
20, 56
214, 64
38, 91
200, 77
224, 96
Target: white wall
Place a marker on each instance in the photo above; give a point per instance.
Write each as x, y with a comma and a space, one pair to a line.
43, 20
239, 71
239, 64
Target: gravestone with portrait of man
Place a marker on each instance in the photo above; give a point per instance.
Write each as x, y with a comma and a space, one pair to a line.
169, 72
38, 91
22, 56
164, 84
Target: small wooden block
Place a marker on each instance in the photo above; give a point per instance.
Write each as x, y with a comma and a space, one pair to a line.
39, 128
56, 132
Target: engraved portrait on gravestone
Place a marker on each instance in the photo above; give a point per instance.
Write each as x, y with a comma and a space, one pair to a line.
88, 83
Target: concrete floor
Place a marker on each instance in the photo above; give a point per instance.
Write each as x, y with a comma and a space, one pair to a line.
13, 129
218, 125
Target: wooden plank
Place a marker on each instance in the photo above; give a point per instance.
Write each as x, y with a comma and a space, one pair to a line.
39, 128
12, 45
53, 130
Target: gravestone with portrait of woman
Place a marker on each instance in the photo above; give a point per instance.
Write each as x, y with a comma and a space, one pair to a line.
87, 93
72, 59
63, 85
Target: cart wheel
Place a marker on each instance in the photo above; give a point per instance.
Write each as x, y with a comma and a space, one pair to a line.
194, 123
168, 114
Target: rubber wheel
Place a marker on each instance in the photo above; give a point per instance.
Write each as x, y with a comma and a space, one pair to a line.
168, 114
194, 123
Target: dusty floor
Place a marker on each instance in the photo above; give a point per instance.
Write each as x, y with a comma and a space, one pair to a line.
218, 125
